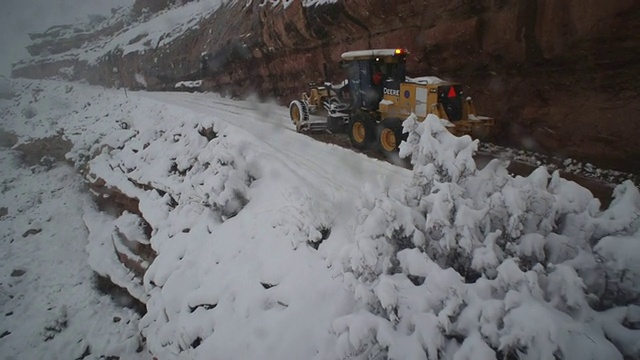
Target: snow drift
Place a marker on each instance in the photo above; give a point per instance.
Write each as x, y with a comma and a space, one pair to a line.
466, 264
455, 262
248, 240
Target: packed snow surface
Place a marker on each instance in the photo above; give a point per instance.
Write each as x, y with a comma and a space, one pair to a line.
269, 244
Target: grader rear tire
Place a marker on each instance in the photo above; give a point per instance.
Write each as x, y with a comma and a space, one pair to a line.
481, 132
390, 135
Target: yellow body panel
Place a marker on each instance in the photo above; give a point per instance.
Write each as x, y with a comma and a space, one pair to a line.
422, 100
411, 98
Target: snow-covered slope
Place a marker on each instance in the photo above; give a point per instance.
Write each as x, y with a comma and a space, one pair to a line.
49, 303
268, 244
19, 18
140, 33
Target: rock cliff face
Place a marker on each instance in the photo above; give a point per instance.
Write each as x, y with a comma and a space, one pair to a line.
560, 76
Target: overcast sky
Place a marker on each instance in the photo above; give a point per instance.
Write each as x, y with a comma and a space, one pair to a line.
20, 17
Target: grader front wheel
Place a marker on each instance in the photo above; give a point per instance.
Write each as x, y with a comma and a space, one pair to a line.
299, 114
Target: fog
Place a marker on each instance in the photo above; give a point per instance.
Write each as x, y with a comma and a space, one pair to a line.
20, 17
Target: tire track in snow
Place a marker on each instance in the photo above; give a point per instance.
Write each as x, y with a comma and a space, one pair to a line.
326, 165
300, 161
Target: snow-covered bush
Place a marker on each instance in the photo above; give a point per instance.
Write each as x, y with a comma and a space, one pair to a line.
183, 162
476, 264
385, 227
307, 217
222, 177
619, 256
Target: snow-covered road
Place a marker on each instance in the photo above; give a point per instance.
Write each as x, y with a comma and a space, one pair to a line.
273, 119
328, 166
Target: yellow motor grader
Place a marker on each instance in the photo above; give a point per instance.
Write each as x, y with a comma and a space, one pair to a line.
376, 98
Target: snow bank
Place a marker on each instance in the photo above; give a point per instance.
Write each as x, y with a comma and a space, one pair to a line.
457, 261
234, 234
468, 263
259, 248
189, 85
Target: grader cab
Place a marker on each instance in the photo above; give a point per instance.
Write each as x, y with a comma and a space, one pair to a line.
376, 98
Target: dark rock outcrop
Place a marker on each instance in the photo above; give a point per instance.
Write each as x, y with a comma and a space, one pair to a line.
560, 76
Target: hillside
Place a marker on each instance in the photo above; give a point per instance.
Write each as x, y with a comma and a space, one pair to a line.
560, 78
